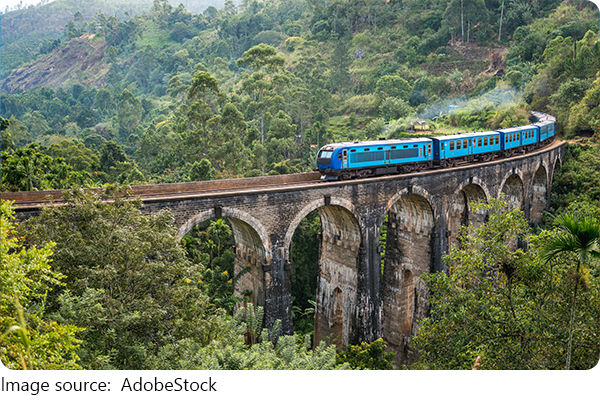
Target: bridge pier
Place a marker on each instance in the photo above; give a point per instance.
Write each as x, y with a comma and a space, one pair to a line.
369, 311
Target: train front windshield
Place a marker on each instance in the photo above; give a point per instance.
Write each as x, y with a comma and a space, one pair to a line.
325, 154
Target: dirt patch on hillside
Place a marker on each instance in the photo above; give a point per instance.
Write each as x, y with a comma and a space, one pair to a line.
79, 61
477, 59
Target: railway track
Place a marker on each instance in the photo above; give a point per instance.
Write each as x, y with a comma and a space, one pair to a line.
190, 190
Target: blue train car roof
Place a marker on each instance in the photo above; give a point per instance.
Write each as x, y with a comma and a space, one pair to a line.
470, 135
543, 122
517, 128
367, 143
543, 117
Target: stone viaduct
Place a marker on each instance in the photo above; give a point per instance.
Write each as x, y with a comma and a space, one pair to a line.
358, 299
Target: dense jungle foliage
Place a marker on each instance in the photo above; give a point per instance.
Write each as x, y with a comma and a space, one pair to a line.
134, 94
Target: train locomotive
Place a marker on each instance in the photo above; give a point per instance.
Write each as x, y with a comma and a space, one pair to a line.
362, 159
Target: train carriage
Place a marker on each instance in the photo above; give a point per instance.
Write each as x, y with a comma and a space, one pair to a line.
519, 138
370, 158
449, 150
546, 129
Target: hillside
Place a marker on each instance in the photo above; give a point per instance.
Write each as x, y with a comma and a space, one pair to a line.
24, 32
80, 61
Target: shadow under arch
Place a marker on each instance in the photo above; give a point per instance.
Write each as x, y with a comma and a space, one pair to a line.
539, 194
408, 254
460, 212
514, 190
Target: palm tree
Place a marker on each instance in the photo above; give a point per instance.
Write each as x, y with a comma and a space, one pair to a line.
581, 238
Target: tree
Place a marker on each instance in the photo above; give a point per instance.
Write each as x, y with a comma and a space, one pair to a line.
262, 56
28, 338
581, 238
128, 282
204, 83
129, 114
393, 86
202, 171
6, 141
23, 169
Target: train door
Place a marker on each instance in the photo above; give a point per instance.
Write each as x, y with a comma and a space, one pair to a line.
344, 158
388, 155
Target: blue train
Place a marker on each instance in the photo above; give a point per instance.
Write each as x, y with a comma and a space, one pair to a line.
351, 160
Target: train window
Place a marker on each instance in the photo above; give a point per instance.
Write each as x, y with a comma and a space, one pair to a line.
405, 146
452, 145
478, 142
325, 154
367, 149
340, 156
393, 147
380, 148
415, 145
497, 140
465, 143
458, 143
485, 141
353, 150
442, 146
429, 148
518, 135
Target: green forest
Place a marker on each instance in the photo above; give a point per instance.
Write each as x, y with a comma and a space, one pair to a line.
110, 94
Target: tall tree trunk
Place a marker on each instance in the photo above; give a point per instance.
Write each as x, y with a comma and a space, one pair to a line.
501, 16
462, 20
468, 30
571, 323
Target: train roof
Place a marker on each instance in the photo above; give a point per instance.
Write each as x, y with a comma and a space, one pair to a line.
517, 128
543, 117
470, 135
543, 122
387, 142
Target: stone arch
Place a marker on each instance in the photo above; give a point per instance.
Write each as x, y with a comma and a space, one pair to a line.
539, 194
460, 212
338, 274
252, 250
310, 207
514, 190
408, 254
226, 213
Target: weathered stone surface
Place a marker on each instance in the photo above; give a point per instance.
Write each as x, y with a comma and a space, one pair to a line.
356, 300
